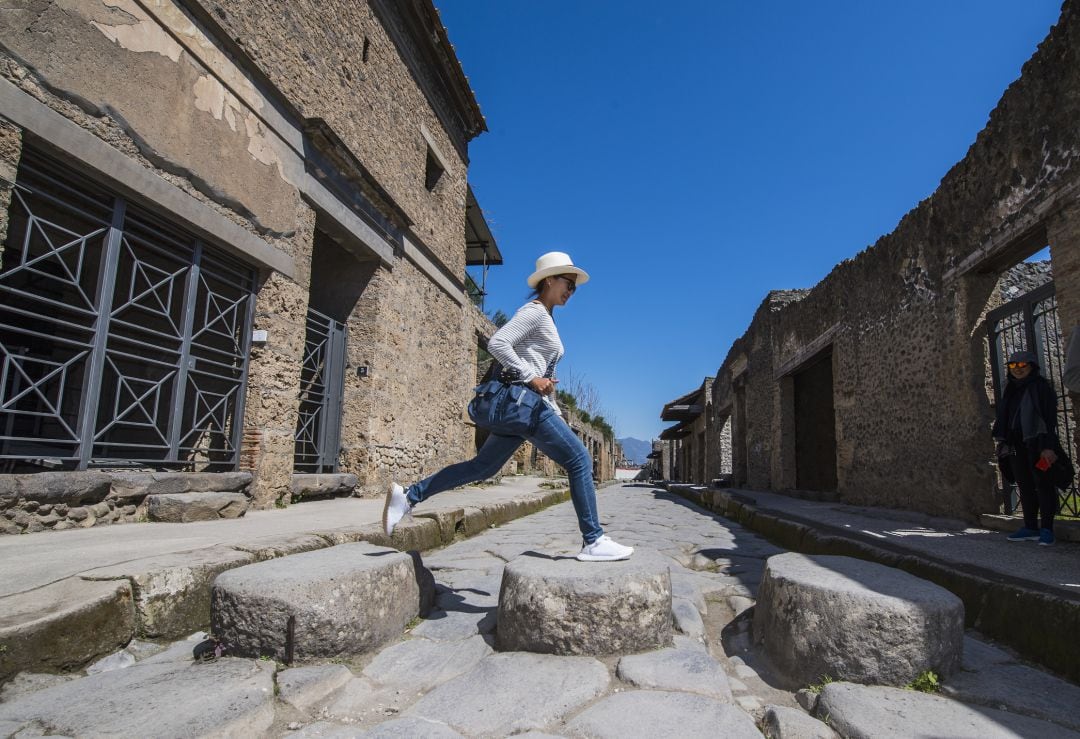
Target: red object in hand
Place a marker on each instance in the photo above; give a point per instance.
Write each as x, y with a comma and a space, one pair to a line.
1042, 464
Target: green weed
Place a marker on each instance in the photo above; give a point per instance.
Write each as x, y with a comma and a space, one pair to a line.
927, 682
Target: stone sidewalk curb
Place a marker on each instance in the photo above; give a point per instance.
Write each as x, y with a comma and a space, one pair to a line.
994, 603
71, 622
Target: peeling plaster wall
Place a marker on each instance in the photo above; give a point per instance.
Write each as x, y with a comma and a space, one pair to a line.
314, 53
905, 318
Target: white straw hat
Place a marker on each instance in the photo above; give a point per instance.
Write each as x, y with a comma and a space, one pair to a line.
556, 263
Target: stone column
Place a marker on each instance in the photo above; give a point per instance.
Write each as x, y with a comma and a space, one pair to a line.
274, 378
10, 152
1063, 235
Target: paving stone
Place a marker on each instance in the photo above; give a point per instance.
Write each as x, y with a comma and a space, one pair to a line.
64, 625
894, 713
26, 683
326, 730
455, 625
685, 585
807, 699
562, 606
979, 655
138, 485
1018, 689
357, 700
172, 591
781, 722
679, 641
346, 600
188, 507
304, 688
269, 547
651, 713
508, 693
115, 661
418, 665
855, 620
687, 618
53, 488
322, 485
227, 697
140, 649
411, 727
177, 651
685, 670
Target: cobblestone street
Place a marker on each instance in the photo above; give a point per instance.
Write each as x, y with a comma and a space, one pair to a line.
445, 678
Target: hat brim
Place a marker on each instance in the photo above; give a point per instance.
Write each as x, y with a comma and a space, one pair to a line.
562, 269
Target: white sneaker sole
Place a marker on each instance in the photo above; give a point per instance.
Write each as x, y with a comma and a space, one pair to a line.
582, 557
387, 529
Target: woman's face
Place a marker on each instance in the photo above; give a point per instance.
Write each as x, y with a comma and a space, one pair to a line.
558, 289
1019, 370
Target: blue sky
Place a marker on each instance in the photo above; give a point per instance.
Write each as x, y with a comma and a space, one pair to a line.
694, 155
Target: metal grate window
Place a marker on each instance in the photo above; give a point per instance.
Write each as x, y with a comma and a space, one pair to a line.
123, 339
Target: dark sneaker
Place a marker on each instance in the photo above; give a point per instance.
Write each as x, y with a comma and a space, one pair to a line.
1025, 534
1046, 538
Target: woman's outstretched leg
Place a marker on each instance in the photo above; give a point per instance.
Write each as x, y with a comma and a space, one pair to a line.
495, 452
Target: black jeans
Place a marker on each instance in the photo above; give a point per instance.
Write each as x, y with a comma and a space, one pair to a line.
1038, 496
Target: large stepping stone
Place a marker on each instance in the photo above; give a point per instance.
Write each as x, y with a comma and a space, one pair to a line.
853, 620
510, 693
342, 601
228, 697
557, 605
894, 713
661, 713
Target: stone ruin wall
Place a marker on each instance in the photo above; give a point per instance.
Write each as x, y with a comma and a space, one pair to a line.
908, 334
93, 62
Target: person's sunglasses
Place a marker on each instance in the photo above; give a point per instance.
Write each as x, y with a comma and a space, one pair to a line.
569, 282
1018, 365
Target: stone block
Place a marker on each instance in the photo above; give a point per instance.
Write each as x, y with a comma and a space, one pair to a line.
64, 625
133, 486
188, 507
893, 713
229, 697
322, 485
781, 722
557, 605
447, 519
52, 488
655, 713
855, 620
343, 600
304, 688
172, 591
684, 670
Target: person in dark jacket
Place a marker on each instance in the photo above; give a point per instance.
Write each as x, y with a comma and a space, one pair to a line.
1025, 430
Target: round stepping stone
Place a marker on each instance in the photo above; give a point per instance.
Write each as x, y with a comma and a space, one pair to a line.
849, 619
557, 605
342, 600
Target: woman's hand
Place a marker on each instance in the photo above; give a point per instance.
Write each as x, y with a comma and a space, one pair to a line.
543, 385
1049, 456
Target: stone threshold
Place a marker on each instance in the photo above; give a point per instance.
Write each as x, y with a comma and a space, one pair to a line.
1038, 623
70, 623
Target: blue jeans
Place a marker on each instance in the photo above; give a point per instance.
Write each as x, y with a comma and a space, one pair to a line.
555, 439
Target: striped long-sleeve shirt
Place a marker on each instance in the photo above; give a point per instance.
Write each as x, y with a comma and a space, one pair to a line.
529, 345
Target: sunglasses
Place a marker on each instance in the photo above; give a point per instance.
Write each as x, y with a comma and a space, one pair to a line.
1018, 365
569, 282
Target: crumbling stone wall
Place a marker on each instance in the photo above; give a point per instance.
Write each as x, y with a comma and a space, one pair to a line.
234, 88
904, 319
10, 151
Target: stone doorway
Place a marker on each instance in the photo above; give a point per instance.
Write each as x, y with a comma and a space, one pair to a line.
815, 426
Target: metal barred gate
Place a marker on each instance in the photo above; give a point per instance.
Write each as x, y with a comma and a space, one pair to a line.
123, 339
322, 383
1031, 322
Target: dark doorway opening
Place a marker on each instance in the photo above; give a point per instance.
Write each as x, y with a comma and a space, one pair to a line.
815, 426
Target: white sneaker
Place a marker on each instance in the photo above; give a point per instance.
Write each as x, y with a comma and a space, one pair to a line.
604, 549
396, 508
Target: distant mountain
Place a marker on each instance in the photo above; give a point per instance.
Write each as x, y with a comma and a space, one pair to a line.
635, 449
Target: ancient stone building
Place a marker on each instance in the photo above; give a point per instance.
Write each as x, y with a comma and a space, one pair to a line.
236, 239
878, 383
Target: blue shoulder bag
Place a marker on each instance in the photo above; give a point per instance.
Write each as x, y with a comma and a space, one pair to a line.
507, 409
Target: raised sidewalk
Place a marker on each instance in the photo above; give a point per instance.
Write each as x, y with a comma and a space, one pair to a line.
68, 597
1017, 593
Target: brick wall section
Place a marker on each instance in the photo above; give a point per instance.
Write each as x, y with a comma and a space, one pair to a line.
905, 317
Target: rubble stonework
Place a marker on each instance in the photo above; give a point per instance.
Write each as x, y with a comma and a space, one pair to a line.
853, 386
336, 211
